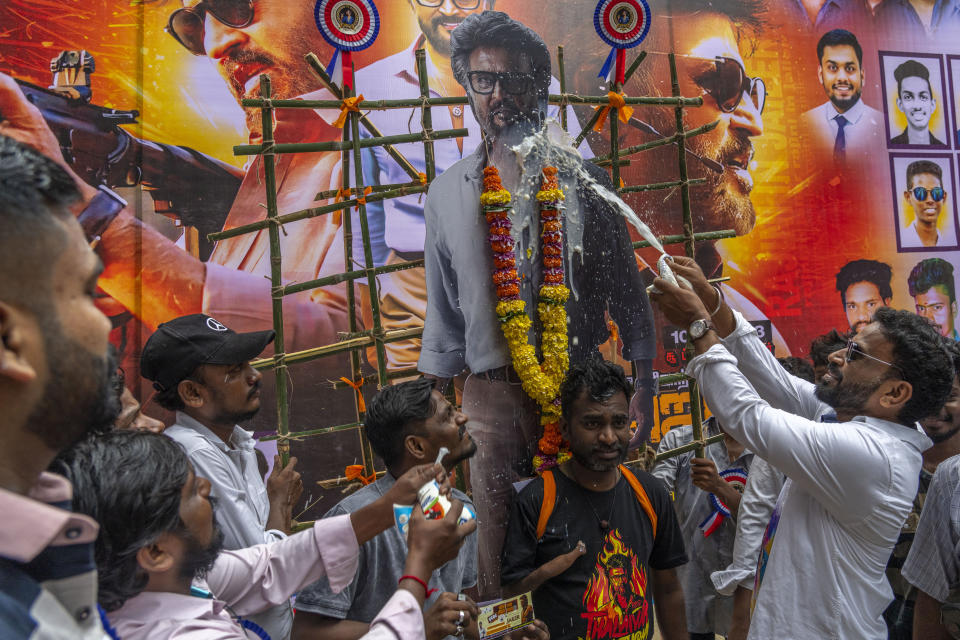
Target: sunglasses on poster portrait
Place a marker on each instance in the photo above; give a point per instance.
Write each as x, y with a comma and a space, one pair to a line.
937, 193
729, 82
465, 5
186, 24
855, 352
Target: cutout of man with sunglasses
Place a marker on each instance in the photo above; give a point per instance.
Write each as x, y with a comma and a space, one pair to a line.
843, 125
916, 101
927, 196
396, 225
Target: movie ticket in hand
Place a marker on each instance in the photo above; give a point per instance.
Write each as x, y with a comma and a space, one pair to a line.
500, 617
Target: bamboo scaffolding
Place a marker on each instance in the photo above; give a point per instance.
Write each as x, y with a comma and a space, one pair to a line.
355, 340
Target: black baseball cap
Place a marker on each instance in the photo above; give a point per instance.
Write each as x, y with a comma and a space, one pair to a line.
178, 347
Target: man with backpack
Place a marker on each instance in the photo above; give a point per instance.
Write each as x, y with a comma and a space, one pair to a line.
589, 537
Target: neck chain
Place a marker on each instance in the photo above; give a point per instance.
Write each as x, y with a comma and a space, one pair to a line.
604, 523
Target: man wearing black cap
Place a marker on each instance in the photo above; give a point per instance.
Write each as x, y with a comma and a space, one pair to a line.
201, 369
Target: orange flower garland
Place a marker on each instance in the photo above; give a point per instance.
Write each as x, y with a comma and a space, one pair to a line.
540, 381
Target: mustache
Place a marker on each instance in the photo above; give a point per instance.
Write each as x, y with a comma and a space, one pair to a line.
238, 56
436, 21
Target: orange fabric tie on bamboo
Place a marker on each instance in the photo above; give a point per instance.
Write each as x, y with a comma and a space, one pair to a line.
349, 104
361, 406
355, 472
616, 102
363, 199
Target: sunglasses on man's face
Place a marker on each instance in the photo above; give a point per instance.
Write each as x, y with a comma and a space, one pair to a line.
937, 193
855, 352
728, 82
513, 82
186, 25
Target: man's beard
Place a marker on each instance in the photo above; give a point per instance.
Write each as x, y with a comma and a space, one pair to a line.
236, 417
291, 82
843, 396
436, 34
80, 395
845, 104
727, 206
585, 461
943, 437
199, 559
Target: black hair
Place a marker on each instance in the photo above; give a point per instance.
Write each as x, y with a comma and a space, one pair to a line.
600, 378
839, 38
919, 167
497, 29
877, 273
911, 69
922, 359
822, 346
797, 367
170, 399
130, 482
35, 194
954, 350
393, 413
932, 272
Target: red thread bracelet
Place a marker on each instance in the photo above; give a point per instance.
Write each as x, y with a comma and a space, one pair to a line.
423, 584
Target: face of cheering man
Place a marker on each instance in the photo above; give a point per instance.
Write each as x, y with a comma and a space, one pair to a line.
916, 102
447, 427
857, 386
841, 75
598, 430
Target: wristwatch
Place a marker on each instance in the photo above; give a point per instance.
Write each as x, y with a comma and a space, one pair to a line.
699, 328
100, 212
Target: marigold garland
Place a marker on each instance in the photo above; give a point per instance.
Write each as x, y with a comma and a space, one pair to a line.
541, 381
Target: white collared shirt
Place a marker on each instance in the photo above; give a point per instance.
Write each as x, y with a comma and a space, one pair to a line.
863, 133
242, 503
850, 487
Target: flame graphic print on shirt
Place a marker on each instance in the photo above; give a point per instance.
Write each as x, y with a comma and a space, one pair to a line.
615, 601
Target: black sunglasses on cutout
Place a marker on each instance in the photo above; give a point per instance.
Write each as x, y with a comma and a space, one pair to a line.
513, 82
729, 81
186, 24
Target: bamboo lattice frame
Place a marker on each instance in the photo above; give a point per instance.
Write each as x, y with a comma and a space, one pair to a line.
356, 340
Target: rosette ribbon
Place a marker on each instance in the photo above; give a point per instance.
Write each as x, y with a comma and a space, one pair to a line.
720, 510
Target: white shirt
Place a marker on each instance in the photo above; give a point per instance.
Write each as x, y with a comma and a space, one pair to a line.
850, 488
265, 575
863, 132
242, 503
909, 237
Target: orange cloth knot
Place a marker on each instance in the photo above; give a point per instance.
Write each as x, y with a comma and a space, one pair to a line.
361, 406
616, 102
355, 472
349, 104
342, 194
422, 176
614, 330
363, 199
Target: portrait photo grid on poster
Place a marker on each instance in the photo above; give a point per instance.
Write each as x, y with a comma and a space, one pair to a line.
921, 114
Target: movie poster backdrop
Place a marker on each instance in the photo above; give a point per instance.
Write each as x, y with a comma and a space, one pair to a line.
802, 206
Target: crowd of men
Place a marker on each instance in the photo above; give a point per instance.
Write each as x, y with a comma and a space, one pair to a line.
826, 508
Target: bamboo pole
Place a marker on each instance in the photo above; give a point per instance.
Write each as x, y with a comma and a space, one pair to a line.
276, 273
662, 185
315, 147
696, 416
563, 87
313, 353
314, 212
660, 142
317, 68
406, 103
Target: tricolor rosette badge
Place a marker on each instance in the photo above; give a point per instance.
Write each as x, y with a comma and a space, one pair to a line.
348, 25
